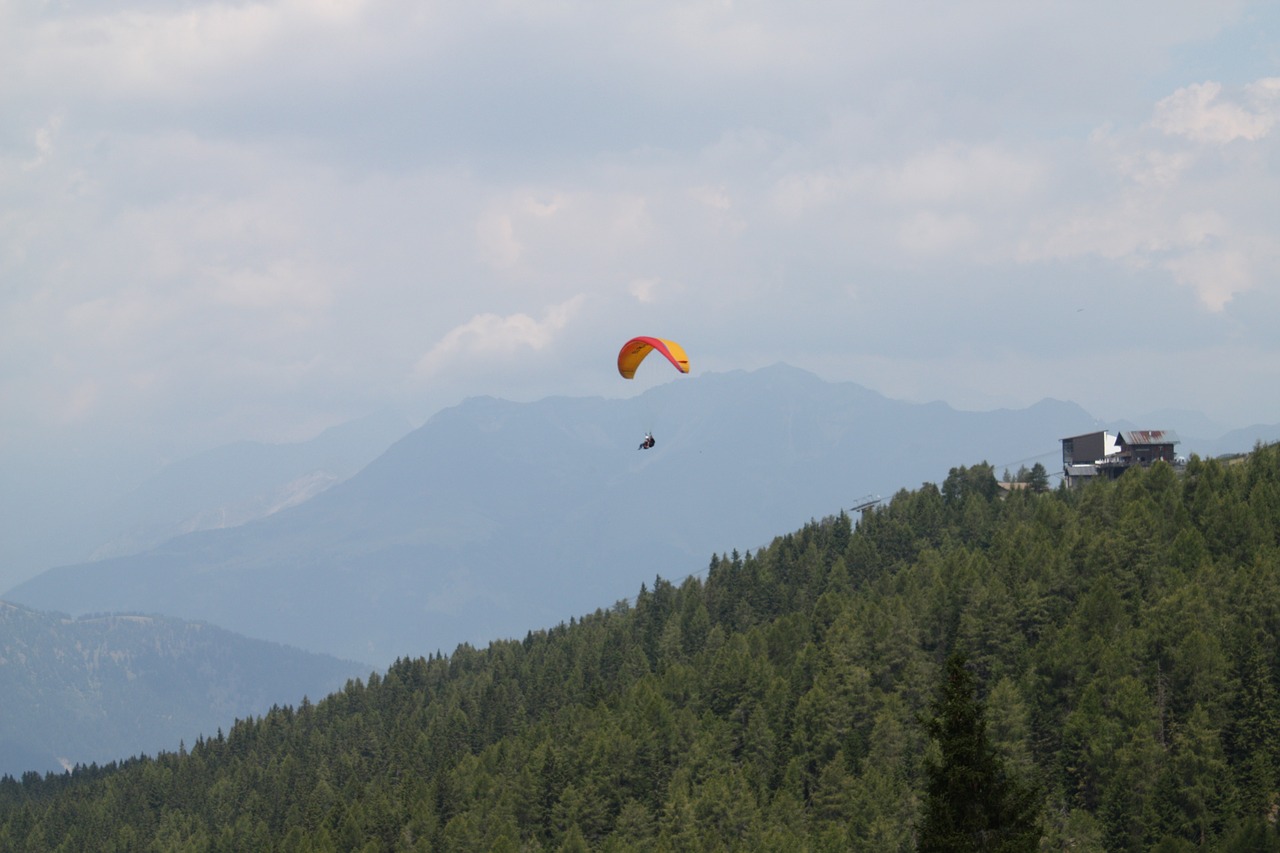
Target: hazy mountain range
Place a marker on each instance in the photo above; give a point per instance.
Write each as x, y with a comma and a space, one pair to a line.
104, 688
496, 517
47, 521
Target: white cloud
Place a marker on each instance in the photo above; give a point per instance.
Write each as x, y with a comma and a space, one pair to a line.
644, 289
798, 193
133, 52
164, 50
1155, 168
658, 292
1203, 250
1178, 201
927, 232
1196, 113
978, 175
560, 241
118, 321
494, 336
496, 229
283, 285
1132, 228
495, 236
918, 184
45, 137
79, 404
715, 197
1264, 93
1216, 276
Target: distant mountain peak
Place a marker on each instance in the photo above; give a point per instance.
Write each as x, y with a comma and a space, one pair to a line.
497, 517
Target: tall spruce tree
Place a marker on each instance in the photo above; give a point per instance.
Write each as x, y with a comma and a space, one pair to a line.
971, 801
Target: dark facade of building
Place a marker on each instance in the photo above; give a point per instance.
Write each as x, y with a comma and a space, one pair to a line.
1101, 454
1144, 446
1087, 449
1081, 454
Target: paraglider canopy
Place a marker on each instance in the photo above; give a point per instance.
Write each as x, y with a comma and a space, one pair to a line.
634, 351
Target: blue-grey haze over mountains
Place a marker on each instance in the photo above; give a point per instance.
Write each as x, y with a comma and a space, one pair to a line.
105, 688
69, 521
499, 517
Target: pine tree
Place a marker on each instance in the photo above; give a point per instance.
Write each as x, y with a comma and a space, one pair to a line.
971, 802
1252, 735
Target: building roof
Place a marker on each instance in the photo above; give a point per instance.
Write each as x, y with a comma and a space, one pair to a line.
1085, 435
1149, 436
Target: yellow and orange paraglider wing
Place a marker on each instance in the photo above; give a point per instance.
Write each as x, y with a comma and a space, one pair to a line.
634, 351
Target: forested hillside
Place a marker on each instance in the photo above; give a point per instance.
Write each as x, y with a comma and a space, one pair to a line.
1123, 640
99, 688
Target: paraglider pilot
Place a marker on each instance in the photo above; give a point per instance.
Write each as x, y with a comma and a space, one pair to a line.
634, 351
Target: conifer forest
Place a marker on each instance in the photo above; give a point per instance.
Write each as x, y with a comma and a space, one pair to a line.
957, 669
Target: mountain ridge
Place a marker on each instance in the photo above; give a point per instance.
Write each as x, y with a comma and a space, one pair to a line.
103, 687
495, 517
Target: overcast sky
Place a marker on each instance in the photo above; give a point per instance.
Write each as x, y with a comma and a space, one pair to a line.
253, 220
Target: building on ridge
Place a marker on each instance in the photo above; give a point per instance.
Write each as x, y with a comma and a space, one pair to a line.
1102, 454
